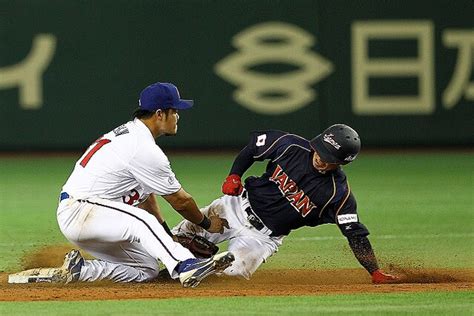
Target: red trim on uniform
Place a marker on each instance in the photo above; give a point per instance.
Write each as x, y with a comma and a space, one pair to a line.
98, 145
332, 197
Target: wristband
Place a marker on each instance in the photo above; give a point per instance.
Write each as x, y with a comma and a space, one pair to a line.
205, 223
167, 229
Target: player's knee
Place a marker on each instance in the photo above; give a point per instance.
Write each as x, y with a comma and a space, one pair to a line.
148, 274
243, 268
237, 272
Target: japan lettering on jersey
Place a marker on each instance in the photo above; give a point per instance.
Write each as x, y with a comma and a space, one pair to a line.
292, 193
124, 165
290, 190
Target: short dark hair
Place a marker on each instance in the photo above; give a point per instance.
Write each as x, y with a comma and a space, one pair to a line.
144, 114
140, 113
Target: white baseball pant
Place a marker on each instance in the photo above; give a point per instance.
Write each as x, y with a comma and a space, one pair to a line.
250, 246
127, 241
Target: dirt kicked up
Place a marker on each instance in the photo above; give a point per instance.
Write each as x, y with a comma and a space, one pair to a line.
263, 283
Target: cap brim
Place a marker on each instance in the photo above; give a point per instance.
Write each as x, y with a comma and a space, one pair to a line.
184, 104
318, 145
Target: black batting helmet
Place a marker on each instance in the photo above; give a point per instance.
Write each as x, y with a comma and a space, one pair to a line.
339, 143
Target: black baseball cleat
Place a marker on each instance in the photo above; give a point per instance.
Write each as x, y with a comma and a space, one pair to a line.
193, 271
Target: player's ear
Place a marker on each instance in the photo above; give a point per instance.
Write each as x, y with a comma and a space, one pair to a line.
159, 113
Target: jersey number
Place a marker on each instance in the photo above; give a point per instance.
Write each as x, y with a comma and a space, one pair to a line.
98, 145
130, 199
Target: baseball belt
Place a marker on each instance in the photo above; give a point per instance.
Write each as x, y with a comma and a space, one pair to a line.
252, 218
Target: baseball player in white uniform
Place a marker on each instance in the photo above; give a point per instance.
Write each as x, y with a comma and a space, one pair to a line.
107, 206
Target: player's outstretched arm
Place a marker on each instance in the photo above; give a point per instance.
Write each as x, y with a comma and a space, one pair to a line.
184, 204
243, 161
233, 184
356, 233
364, 253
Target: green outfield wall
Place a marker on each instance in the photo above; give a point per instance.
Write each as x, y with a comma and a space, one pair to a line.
399, 71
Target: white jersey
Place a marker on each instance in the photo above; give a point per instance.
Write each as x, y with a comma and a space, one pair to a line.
99, 213
124, 165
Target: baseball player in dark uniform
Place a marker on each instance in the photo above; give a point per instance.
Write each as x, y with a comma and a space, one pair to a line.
303, 185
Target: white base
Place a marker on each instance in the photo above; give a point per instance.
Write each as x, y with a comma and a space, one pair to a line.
38, 275
29, 279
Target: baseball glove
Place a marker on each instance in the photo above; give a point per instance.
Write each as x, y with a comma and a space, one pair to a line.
199, 246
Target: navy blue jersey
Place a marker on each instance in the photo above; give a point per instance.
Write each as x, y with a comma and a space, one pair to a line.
292, 193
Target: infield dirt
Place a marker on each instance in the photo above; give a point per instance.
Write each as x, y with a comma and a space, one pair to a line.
263, 283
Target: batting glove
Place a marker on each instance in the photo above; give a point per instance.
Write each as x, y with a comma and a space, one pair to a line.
232, 185
380, 277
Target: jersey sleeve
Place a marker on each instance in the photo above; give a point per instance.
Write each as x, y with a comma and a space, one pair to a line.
348, 220
346, 210
270, 144
263, 145
152, 170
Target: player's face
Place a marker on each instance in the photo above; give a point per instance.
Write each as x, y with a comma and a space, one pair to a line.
322, 166
170, 126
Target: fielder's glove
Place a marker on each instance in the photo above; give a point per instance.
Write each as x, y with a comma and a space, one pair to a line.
232, 185
199, 246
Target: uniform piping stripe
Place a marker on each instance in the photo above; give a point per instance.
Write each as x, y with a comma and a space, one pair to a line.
332, 197
276, 141
289, 148
345, 199
130, 256
141, 220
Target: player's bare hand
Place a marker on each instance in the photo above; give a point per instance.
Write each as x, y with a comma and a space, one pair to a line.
217, 224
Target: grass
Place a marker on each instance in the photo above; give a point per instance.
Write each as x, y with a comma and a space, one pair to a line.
418, 207
443, 303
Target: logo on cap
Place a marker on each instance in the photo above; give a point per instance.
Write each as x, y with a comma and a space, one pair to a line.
350, 158
328, 139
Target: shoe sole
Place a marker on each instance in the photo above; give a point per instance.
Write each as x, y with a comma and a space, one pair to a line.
221, 262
